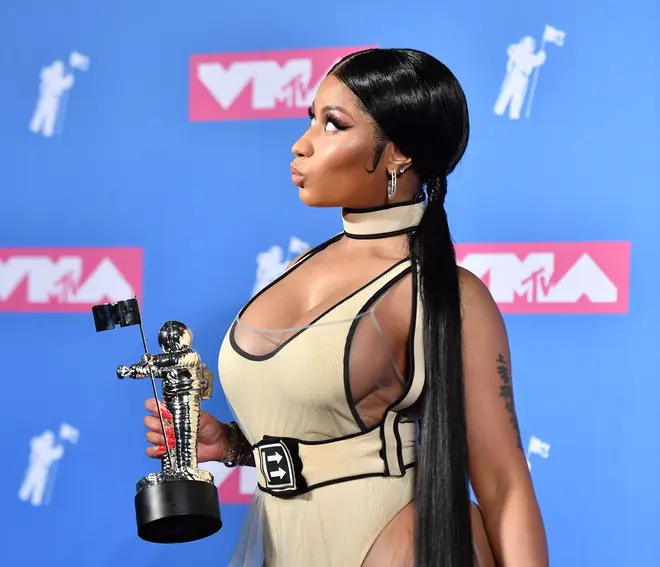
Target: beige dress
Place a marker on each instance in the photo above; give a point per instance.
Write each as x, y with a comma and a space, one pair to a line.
328, 483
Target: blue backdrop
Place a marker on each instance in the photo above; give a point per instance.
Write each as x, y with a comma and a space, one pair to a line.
130, 164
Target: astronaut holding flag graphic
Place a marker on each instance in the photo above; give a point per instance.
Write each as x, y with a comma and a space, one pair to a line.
55, 84
45, 452
523, 60
297, 246
272, 263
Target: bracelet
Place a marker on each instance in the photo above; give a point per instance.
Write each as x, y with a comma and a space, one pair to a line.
239, 451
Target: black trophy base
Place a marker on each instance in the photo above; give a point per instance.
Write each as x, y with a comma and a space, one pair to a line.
177, 511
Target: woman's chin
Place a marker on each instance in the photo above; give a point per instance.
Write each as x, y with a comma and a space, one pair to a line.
312, 199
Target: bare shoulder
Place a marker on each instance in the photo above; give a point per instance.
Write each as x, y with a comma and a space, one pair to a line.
292, 262
481, 317
475, 295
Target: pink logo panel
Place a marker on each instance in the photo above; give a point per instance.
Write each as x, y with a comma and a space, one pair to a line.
232, 489
563, 277
67, 279
258, 84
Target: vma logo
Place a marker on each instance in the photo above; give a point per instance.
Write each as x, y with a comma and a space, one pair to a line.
67, 279
565, 277
258, 85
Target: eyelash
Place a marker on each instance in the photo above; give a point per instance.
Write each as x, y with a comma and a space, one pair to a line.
329, 118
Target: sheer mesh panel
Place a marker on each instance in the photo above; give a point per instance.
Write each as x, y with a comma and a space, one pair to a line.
379, 352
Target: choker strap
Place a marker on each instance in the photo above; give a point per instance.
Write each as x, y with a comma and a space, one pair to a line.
384, 221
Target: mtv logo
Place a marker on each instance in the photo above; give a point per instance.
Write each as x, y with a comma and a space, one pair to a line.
563, 277
259, 84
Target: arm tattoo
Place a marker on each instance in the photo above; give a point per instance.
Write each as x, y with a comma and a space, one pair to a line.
506, 392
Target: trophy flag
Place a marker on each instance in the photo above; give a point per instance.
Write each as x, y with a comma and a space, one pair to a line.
124, 313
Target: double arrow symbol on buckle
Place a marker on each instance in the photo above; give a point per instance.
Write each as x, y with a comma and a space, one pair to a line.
279, 473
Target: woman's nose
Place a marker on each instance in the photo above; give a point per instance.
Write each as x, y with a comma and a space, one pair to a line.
303, 146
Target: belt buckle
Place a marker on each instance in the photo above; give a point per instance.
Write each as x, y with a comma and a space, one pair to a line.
280, 466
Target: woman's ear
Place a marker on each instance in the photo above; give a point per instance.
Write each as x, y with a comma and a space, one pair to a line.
394, 159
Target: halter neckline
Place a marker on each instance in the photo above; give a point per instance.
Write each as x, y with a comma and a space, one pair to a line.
384, 221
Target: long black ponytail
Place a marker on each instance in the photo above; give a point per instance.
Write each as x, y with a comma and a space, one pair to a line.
418, 105
442, 476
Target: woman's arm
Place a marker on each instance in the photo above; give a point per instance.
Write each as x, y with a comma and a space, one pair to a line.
499, 473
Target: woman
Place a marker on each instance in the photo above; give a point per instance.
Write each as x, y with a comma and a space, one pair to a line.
371, 381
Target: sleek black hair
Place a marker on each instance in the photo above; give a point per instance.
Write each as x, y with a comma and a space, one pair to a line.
419, 105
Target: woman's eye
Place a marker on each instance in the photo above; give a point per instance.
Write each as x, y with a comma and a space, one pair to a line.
330, 126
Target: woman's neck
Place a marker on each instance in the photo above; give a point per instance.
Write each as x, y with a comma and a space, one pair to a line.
383, 221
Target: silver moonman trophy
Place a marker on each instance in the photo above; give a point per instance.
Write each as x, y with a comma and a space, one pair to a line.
179, 503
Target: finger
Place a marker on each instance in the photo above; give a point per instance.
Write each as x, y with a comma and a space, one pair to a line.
153, 423
155, 438
155, 452
152, 406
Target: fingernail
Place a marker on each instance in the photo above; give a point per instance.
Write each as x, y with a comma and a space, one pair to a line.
166, 413
169, 431
170, 443
162, 448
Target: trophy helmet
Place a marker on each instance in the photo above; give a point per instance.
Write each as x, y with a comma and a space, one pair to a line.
174, 336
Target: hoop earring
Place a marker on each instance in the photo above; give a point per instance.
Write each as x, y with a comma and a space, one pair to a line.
391, 185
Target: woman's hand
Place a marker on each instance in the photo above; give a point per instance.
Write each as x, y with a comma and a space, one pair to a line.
213, 442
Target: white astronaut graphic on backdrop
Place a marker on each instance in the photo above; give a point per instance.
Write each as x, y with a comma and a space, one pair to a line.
523, 60
56, 80
536, 447
272, 263
45, 451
